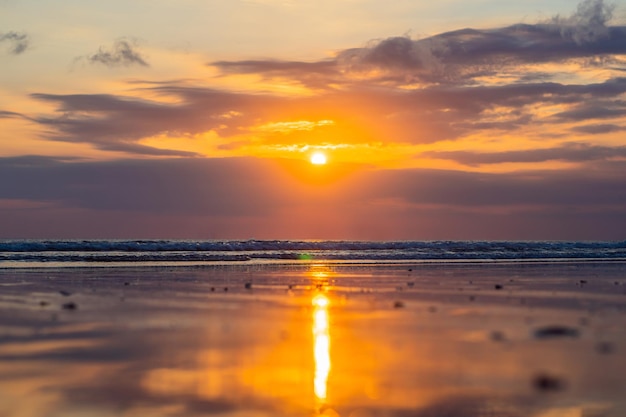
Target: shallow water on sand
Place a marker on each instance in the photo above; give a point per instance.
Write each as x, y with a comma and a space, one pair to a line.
540, 340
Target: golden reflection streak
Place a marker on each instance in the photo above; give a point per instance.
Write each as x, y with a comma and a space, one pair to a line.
321, 346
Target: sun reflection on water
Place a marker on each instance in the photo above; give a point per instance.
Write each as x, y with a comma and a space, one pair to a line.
321, 346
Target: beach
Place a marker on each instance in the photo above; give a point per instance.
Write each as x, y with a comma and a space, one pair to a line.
289, 208
506, 339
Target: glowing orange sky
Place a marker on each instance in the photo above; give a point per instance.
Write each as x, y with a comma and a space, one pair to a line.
528, 118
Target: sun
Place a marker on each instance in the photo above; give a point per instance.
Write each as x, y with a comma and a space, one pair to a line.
318, 158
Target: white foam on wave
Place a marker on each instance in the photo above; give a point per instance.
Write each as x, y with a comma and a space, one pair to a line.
162, 251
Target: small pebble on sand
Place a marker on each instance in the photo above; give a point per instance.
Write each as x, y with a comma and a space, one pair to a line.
605, 348
555, 331
69, 306
497, 336
398, 304
544, 382
248, 285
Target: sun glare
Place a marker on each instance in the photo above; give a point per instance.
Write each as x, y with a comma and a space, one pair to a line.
318, 158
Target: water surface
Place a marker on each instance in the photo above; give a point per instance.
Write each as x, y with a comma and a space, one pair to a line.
539, 340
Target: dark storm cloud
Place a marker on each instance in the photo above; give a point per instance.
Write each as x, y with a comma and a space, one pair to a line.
18, 42
122, 53
572, 152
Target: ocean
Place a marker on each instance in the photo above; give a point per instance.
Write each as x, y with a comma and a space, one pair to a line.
95, 253
312, 328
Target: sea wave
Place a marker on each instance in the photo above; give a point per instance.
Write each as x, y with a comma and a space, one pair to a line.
207, 251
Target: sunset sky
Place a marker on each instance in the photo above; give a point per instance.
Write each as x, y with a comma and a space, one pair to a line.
449, 119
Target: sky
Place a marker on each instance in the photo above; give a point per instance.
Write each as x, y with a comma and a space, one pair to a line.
473, 119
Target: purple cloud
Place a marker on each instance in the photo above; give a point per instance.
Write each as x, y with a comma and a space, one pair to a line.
418, 116
464, 55
598, 129
571, 152
451, 105
237, 195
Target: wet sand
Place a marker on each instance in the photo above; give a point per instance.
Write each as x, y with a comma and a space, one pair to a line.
506, 340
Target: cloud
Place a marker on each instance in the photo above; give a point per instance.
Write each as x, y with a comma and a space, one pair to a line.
18, 42
465, 55
588, 24
461, 189
462, 56
597, 129
473, 86
288, 127
115, 123
220, 187
421, 59
423, 115
315, 75
397, 90
233, 197
570, 152
597, 110
275, 66
4, 114
122, 53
